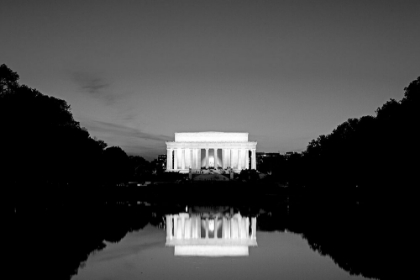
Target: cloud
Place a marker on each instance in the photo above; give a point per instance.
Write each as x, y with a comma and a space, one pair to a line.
90, 83
123, 131
133, 141
95, 86
130, 116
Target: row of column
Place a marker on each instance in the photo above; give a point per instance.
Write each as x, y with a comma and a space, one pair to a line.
184, 227
191, 158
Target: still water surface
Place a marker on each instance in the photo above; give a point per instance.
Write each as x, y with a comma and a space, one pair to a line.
142, 254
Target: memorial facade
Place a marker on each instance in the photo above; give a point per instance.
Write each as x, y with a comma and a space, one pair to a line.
211, 234
211, 150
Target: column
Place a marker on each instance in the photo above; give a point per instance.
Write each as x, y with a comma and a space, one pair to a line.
192, 158
207, 158
234, 159
223, 158
175, 159
226, 228
246, 159
215, 158
234, 228
168, 159
207, 228
179, 158
172, 158
169, 227
183, 158
253, 228
237, 152
253, 160
240, 159
215, 228
196, 159
247, 227
196, 227
199, 158
182, 216
175, 220
187, 231
186, 158
243, 159
192, 154
240, 226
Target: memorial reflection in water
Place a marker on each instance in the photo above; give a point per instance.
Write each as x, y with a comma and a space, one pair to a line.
210, 234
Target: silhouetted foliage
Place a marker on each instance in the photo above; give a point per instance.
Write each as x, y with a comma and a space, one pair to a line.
170, 177
248, 175
116, 166
64, 238
140, 169
46, 154
272, 165
8, 79
157, 167
358, 182
372, 157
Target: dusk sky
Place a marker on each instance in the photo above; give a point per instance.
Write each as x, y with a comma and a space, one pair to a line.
136, 72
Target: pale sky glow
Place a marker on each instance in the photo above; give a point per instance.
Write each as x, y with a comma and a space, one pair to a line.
136, 72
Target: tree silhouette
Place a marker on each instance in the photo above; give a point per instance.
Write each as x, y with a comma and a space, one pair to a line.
373, 154
8, 79
116, 166
44, 150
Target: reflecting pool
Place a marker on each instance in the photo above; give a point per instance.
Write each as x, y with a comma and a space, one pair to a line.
210, 240
160, 240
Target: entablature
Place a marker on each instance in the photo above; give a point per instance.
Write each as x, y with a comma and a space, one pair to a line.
211, 145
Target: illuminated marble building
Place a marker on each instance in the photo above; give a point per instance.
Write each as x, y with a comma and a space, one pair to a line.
211, 150
210, 234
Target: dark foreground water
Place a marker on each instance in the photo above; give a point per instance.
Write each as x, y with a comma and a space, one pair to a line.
142, 255
127, 241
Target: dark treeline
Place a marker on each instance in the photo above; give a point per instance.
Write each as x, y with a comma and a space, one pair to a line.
44, 150
351, 192
356, 242
46, 154
64, 238
371, 155
46, 157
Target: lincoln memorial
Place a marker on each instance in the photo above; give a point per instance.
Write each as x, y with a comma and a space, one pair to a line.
211, 234
210, 150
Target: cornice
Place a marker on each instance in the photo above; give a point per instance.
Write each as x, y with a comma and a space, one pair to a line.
218, 145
